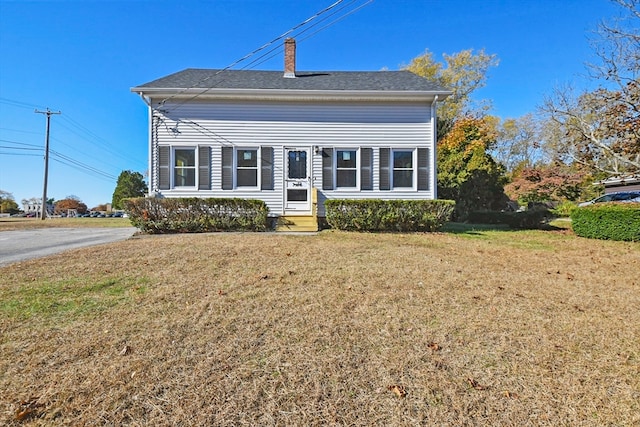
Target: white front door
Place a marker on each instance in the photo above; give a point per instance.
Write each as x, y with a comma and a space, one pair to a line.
297, 180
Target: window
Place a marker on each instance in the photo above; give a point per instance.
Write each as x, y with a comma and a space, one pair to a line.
247, 167
184, 171
346, 168
402, 168
180, 167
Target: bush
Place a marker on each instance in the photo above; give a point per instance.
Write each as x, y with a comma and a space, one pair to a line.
388, 215
608, 221
195, 215
564, 209
529, 219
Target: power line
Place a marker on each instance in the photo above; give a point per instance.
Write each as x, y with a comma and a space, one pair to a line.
80, 169
98, 141
82, 165
270, 54
20, 154
254, 52
19, 104
19, 143
20, 148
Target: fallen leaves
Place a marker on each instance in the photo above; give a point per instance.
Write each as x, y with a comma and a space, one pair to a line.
475, 385
434, 346
27, 409
399, 390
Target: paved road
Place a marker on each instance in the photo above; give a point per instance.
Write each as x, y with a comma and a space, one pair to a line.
21, 245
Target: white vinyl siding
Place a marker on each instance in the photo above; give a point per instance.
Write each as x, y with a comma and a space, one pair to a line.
274, 125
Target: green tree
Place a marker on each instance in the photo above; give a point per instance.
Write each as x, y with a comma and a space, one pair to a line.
130, 184
8, 203
465, 72
466, 171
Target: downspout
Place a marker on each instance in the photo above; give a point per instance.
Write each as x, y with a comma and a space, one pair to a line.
152, 182
434, 132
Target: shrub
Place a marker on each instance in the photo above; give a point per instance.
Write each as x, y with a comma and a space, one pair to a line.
608, 221
196, 215
532, 218
564, 209
388, 215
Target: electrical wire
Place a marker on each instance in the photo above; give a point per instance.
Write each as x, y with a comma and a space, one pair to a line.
175, 106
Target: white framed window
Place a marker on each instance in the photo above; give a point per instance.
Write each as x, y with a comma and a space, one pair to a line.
403, 165
247, 168
184, 167
346, 167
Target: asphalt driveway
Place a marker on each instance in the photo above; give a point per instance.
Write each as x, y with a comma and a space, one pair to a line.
21, 245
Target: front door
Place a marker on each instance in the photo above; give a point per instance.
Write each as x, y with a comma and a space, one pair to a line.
297, 181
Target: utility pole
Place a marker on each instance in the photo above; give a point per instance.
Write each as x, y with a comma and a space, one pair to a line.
48, 113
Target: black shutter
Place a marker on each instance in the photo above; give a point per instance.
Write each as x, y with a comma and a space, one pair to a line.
164, 168
423, 169
227, 168
366, 169
204, 168
327, 168
266, 170
385, 181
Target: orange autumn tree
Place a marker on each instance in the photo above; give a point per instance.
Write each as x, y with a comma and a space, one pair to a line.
466, 171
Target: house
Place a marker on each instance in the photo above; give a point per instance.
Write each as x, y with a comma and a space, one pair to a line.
621, 183
292, 139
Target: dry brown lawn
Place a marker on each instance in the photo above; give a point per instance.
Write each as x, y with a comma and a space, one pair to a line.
488, 328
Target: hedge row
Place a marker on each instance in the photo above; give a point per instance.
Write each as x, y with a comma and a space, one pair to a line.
529, 219
196, 215
608, 221
388, 215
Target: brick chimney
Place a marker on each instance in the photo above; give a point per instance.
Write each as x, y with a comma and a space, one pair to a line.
290, 58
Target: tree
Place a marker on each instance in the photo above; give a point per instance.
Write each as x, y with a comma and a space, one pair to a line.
600, 129
466, 171
130, 184
518, 145
552, 183
70, 202
8, 203
465, 72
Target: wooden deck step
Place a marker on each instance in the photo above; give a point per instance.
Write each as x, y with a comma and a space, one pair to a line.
297, 223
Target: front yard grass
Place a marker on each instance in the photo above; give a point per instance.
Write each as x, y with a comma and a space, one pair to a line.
479, 327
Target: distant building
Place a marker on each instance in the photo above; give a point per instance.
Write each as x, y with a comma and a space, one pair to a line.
36, 207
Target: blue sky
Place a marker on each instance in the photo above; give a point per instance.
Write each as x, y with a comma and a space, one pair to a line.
82, 58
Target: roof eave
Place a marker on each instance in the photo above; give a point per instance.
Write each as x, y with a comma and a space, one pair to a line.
291, 94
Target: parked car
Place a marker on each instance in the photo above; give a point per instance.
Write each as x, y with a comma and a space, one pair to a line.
622, 196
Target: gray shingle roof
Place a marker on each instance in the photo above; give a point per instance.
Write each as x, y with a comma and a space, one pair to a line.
304, 80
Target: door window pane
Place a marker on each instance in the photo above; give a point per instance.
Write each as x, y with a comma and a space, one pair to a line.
297, 195
297, 164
